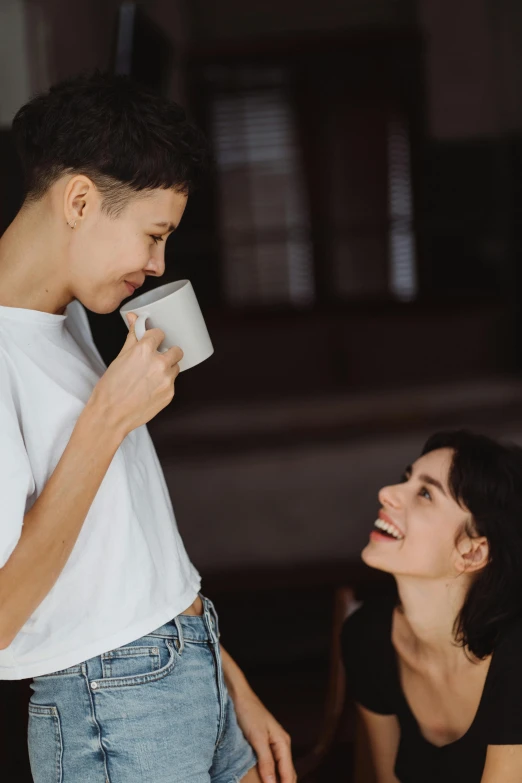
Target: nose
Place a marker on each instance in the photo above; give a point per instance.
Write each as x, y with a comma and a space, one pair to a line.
156, 265
390, 496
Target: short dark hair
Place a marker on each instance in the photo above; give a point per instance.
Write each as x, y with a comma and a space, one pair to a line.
118, 133
486, 477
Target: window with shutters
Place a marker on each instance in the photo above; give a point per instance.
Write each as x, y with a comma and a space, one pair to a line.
263, 216
313, 185
367, 185
402, 258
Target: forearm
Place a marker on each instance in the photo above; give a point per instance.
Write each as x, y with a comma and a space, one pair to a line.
235, 680
53, 524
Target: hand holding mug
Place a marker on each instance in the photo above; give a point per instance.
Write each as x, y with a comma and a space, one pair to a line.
140, 381
174, 309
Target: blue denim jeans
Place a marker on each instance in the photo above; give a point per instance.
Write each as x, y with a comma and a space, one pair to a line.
153, 711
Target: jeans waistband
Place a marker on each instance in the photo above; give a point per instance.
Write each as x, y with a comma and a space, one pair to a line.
192, 628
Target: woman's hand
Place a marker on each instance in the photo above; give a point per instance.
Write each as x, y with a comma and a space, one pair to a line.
139, 383
268, 738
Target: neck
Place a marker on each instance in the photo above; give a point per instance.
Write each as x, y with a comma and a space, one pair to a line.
32, 253
430, 608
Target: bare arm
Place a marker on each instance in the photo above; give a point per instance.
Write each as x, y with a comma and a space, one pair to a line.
52, 526
268, 738
137, 385
383, 735
503, 764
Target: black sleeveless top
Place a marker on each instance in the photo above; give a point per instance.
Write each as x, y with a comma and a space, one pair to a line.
373, 679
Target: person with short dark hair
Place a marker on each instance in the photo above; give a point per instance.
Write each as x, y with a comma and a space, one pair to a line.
436, 673
100, 605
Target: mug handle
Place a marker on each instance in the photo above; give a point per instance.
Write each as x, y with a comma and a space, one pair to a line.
140, 327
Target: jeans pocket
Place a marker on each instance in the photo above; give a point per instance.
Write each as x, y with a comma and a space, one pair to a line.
136, 665
131, 661
45, 744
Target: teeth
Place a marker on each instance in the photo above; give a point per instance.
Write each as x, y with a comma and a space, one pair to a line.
382, 525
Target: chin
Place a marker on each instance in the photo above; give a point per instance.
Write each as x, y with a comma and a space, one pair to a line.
375, 559
101, 305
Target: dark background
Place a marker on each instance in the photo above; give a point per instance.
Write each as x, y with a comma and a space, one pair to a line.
355, 248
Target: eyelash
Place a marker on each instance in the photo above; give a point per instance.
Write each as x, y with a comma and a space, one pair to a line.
156, 239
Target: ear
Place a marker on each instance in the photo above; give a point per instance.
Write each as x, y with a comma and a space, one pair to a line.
472, 554
78, 195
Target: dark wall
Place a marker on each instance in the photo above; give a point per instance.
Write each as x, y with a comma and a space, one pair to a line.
11, 185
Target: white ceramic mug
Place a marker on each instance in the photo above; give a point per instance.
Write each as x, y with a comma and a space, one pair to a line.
174, 309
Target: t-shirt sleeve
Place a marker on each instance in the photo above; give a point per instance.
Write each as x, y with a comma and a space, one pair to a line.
369, 659
16, 478
503, 707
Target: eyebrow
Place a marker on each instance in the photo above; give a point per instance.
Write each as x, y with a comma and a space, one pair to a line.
165, 224
427, 480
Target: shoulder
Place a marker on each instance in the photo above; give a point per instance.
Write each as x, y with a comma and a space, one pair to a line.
505, 663
510, 638
503, 701
506, 654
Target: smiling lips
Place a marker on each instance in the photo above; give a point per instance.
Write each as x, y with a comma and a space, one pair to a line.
388, 528
132, 286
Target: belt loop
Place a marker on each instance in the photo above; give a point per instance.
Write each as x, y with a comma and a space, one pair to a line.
211, 620
180, 635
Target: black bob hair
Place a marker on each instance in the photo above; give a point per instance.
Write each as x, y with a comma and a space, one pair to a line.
486, 478
122, 136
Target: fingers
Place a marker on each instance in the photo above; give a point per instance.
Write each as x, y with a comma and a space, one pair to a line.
173, 355
265, 763
154, 337
283, 756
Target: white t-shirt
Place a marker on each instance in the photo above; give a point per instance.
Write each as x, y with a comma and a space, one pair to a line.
128, 572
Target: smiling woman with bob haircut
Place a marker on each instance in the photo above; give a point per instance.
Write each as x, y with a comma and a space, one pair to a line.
436, 674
